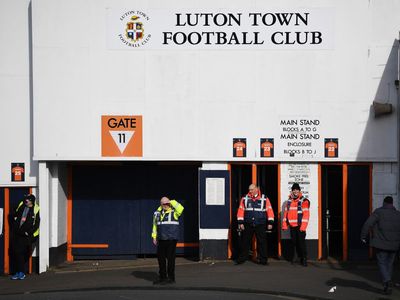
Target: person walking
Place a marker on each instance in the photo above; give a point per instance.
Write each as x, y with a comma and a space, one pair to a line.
384, 223
296, 216
165, 235
255, 216
24, 229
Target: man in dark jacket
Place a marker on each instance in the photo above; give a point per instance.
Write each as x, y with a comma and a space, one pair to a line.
255, 216
385, 225
165, 235
24, 224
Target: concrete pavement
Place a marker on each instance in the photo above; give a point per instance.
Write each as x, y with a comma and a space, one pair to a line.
279, 279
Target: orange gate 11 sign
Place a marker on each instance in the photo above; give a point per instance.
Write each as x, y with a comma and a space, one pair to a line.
121, 136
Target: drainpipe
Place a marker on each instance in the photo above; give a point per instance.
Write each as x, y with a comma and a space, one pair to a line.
396, 84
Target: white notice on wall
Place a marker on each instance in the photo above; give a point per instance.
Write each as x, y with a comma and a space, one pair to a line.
215, 191
300, 173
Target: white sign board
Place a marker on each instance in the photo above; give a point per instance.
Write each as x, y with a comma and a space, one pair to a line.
299, 173
133, 28
300, 137
215, 191
306, 175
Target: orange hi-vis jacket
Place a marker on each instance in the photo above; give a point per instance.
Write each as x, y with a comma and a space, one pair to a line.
255, 210
296, 213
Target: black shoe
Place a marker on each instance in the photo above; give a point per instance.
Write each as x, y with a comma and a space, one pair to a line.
160, 281
304, 262
387, 290
264, 263
239, 262
170, 281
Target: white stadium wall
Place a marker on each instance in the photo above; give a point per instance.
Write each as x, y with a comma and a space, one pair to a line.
15, 93
194, 99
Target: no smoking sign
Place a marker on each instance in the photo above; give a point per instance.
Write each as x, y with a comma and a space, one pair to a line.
121, 136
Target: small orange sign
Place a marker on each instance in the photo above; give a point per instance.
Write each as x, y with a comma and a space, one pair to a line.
267, 147
17, 171
121, 136
332, 147
239, 147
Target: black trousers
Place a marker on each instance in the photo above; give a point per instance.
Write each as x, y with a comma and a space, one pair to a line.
298, 242
261, 236
20, 248
166, 253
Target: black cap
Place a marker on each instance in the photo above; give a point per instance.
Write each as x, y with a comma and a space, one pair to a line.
296, 186
30, 197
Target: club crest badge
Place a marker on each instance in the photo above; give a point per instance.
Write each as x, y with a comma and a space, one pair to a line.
134, 23
134, 30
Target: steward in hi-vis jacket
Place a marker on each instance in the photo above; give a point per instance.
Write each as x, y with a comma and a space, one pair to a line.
24, 229
165, 235
296, 216
255, 215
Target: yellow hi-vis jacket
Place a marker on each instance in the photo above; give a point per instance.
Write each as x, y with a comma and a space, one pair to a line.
36, 210
166, 223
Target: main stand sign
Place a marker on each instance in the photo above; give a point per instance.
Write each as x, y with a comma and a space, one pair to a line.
121, 136
300, 138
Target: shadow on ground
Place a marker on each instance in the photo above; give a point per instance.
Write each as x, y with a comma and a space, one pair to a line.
149, 276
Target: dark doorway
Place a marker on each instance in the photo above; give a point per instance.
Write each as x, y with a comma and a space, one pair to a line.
113, 203
332, 211
15, 197
267, 179
358, 194
241, 178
